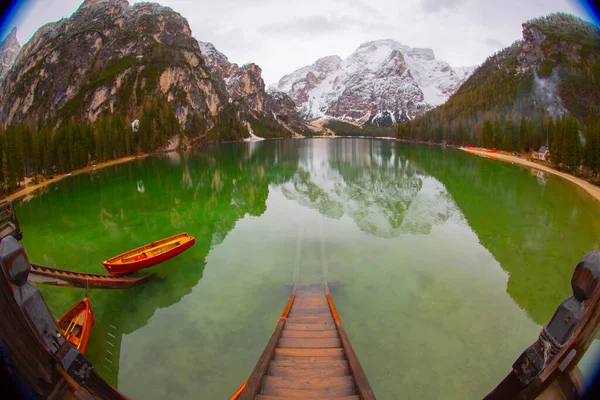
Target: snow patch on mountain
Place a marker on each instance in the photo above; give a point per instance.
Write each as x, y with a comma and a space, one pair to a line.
380, 78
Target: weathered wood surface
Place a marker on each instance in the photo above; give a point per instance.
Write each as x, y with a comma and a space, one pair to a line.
62, 277
559, 377
308, 356
252, 386
33, 364
9, 224
363, 388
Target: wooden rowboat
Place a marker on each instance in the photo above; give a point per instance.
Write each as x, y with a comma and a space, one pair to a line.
77, 324
149, 255
309, 355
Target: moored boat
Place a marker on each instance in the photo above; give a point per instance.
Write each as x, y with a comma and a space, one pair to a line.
149, 255
76, 324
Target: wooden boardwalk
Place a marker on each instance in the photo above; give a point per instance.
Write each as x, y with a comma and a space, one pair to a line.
309, 355
62, 277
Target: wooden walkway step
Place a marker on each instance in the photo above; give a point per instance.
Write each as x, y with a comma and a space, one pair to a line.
309, 361
307, 356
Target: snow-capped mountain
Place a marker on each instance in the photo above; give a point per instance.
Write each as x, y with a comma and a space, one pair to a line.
9, 49
382, 78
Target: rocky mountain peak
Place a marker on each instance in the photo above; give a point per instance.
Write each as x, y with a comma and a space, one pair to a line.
9, 49
531, 52
217, 60
423, 54
97, 3
110, 57
379, 77
11, 38
328, 63
245, 82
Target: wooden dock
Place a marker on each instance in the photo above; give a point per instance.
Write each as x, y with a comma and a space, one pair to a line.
62, 277
309, 355
9, 224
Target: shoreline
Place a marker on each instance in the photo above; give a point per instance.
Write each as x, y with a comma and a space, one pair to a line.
593, 190
28, 190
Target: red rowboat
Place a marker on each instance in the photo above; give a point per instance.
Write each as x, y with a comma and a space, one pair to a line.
149, 255
77, 324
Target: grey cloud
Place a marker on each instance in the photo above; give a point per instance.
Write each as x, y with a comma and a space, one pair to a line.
433, 6
316, 25
496, 44
363, 7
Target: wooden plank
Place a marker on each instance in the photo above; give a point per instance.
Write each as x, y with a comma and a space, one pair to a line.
310, 299
334, 386
309, 343
310, 316
310, 320
267, 397
310, 310
309, 362
308, 334
288, 359
324, 371
60, 277
339, 353
363, 388
311, 327
319, 306
255, 380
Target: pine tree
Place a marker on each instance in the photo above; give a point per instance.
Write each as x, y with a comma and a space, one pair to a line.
556, 149
571, 144
507, 143
487, 135
498, 136
524, 135
13, 158
591, 146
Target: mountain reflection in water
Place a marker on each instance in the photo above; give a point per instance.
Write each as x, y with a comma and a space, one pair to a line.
438, 255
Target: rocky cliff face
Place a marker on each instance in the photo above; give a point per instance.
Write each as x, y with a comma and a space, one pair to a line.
110, 56
217, 60
9, 49
246, 88
381, 79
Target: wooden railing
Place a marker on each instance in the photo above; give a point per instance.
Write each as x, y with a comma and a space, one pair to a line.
361, 384
549, 366
252, 386
43, 361
9, 224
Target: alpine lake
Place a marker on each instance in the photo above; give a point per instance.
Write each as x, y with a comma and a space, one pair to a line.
444, 266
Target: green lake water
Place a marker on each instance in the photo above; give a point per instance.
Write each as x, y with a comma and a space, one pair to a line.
444, 266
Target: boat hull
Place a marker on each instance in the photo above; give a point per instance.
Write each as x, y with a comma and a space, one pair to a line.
118, 269
82, 310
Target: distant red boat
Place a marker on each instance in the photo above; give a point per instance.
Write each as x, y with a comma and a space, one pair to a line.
77, 324
149, 255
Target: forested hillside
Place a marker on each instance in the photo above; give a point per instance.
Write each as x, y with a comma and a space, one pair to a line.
70, 94
543, 89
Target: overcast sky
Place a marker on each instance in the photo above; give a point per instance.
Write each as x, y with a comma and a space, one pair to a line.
283, 35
